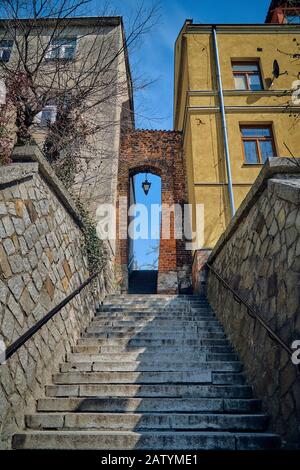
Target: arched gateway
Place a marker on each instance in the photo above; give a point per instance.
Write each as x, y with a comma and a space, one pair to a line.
159, 153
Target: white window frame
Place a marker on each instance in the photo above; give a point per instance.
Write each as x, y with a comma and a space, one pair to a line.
61, 48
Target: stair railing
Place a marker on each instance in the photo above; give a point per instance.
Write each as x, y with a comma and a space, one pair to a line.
14, 347
253, 314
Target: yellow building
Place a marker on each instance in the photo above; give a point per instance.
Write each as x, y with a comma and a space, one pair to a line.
237, 96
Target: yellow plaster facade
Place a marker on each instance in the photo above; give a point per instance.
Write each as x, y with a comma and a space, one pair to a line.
197, 111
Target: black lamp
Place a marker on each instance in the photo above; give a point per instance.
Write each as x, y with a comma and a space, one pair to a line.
146, 185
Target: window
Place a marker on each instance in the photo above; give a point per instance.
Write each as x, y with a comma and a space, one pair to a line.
247, 76
293, 18
5, 50
47, 115
258, 143
62, 48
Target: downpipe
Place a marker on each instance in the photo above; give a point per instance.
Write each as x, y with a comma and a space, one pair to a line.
223, 120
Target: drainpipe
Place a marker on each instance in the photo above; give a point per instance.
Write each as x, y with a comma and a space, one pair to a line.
224, 124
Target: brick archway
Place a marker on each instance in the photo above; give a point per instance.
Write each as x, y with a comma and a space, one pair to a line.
160, 153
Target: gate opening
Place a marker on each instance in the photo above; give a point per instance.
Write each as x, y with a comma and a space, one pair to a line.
144, 238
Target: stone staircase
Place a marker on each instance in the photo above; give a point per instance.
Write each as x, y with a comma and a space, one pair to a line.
150, 372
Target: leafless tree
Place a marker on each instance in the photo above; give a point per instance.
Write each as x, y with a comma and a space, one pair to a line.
81, 87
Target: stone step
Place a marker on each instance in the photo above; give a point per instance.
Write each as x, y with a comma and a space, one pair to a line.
136, 341
184, 377
157, 328
157, 325
132, 377
152, 345
115, 347
155, 303
139, 308
150, 332
153, 298
150, 311
148, 421
160, 356
152, 336
148, 306
114, 440
150, 366
149, 390
149, 405
151, 316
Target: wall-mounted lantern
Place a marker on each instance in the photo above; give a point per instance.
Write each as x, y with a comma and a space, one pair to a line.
146, 185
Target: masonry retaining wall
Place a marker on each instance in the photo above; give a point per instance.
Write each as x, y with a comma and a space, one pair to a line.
259, 256
41, 262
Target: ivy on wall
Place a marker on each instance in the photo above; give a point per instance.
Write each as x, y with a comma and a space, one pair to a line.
93, 247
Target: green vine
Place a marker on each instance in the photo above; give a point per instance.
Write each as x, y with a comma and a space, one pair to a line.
93, 247
65, 170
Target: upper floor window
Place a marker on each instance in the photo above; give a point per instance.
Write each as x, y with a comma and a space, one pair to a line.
258, 143
5, 49
47, 115
62, 48
247, 76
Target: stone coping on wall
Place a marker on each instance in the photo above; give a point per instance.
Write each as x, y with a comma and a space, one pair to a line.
31, 153
275, 168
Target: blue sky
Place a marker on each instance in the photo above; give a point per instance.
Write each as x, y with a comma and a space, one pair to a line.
154, 58
146, 251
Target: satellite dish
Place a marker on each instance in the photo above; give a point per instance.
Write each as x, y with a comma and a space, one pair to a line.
276, 69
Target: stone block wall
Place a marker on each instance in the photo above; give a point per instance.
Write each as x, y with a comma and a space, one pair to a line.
259, 256
41, 262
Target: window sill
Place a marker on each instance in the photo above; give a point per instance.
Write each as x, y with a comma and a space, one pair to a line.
246, 165
61, 59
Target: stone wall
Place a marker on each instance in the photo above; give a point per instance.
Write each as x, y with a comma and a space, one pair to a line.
41, 262
160, 153
259, 256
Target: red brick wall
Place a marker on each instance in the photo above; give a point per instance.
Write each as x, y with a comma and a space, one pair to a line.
158, 152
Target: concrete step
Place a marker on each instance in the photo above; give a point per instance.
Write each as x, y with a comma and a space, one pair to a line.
153, 317
136, 342
152, 336
148, 310
149, 332
155, 303
148, 421
158, 325
141, 348
144, 309
151, 366
134, 298
161, 356
153, 344
153, 329
131, 339
183, 377
150, 390
133, 377
158, 357
115, 440
148, 405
